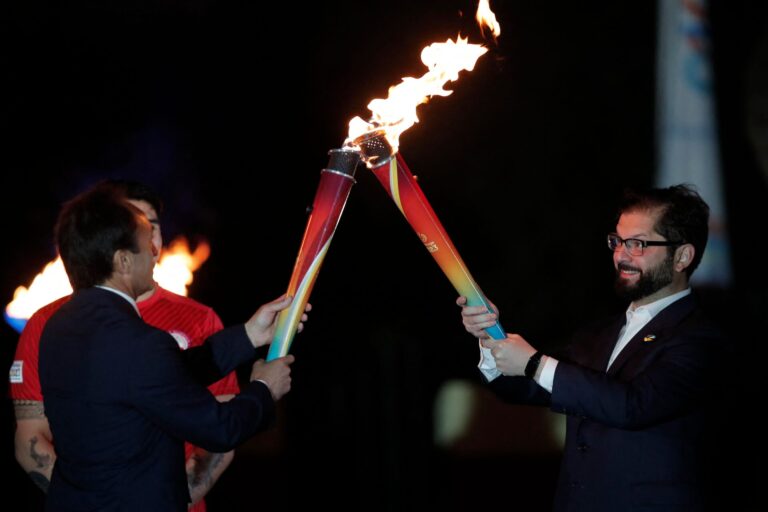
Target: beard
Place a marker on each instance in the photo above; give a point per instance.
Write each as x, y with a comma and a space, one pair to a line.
651, 280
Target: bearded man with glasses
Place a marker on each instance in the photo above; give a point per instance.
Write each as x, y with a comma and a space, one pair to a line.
636, 389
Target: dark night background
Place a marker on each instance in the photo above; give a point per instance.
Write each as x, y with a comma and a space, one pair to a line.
228, 110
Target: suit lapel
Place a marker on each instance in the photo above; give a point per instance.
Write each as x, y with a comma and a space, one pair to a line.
653, 332
606, 348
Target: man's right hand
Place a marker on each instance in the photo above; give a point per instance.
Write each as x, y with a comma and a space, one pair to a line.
276, 374
260, 328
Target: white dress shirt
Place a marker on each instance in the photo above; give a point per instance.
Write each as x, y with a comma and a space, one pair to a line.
637, 318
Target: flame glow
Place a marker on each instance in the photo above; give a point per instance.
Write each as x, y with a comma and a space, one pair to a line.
47, 286
445, 60
173, 272
397, 113
486, 18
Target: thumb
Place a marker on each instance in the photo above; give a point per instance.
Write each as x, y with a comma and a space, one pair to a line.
489, 343
279, 303
270, 309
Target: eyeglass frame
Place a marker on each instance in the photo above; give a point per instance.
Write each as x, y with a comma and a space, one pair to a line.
642, 244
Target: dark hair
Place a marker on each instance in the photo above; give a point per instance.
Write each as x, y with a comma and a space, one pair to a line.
136, 191
90, 228
683, 215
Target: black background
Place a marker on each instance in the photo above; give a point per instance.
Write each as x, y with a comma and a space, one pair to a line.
228, 110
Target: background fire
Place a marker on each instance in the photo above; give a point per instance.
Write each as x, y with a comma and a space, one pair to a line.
521, 162
173, 272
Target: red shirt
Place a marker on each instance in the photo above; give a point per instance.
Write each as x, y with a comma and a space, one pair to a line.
188, 321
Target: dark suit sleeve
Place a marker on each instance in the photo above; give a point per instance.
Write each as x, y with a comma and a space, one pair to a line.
520, 390
673, 384
221, 353
163, 389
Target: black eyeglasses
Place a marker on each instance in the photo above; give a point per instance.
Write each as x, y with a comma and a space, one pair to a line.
634, 246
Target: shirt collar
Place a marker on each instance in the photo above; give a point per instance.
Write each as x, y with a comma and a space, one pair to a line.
123, 295
655, 307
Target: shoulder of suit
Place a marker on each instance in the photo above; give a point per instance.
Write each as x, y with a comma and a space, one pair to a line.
46, 311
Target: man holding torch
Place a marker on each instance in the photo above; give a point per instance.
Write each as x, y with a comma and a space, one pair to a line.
119, 394
187, 320
635, 389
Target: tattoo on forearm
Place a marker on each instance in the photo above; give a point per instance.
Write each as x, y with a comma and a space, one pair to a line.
40, 480
28, 409
202, 475
43, 460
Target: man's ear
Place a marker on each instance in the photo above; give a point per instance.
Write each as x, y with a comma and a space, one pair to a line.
122, 261
684, 257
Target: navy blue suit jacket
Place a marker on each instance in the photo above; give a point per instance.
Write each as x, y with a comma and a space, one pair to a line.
635, 435
121, 397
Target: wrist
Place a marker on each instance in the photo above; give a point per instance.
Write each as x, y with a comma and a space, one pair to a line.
532, 368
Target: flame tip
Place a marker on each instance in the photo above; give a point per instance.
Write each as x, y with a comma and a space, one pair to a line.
444, 62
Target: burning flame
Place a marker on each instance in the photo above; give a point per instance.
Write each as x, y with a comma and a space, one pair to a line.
445, 60
47, 286
486, 18
397, 113
173, 272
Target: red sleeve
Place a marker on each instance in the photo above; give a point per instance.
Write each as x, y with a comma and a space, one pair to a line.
228, 385
24, 379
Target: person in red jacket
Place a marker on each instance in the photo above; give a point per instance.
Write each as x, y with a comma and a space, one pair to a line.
188, 321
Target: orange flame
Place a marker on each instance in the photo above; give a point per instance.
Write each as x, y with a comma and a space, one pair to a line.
445, 60
486, 18
397, 113
173, 272
47, 286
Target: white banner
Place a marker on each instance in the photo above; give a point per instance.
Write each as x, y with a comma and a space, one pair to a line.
688, 150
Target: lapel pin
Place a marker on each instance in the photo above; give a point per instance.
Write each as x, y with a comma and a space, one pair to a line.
649, 337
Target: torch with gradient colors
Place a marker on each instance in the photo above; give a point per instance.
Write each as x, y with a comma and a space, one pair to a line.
335, 184
400, 184
377, 140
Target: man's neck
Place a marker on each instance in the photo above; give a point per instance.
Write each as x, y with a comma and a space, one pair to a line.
147, 295
120, 285
671, 289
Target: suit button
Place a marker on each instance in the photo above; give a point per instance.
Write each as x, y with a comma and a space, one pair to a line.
582, 447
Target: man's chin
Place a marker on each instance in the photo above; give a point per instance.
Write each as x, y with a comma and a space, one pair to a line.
625, 289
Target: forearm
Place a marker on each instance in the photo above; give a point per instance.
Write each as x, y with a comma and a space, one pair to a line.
663, 391
204, 469
33, 443
222, 353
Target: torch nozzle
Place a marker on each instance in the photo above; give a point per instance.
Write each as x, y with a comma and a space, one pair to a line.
374, 147
343, 161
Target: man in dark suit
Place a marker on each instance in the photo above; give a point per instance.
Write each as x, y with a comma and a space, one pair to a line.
119, 395
634, 388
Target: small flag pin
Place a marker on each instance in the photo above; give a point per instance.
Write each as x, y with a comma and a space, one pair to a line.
649, 337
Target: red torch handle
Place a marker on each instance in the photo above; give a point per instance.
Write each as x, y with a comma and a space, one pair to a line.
332, 192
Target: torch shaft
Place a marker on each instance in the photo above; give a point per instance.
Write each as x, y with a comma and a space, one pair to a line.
330, 199
402, 187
